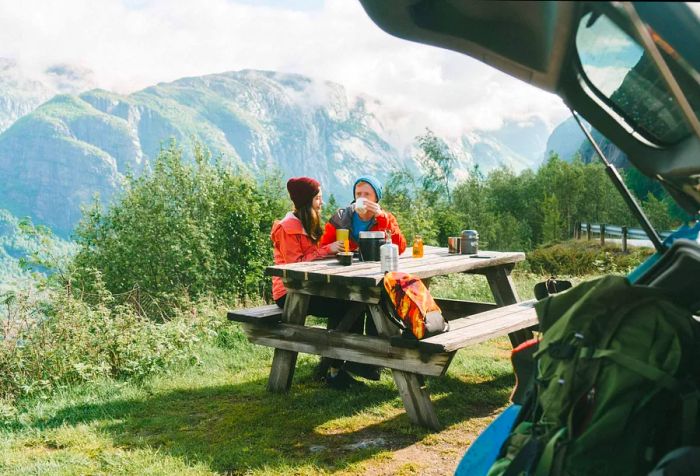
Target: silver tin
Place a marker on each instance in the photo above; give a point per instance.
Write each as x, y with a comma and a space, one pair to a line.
469, 242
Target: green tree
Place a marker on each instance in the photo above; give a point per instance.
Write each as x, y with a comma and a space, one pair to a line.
552, 226
329, 208
182, 231
403, 197
438, 162
658, 213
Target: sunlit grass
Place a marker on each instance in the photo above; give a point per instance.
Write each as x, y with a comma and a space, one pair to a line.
217, 417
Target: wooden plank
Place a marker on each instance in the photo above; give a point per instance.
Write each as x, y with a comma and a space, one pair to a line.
367, 294
492, 314
416, 400
502, 286
346, 346
455, 308
270, 314
385, 327
482, 331
409, 264
475, 328
284, 361
437, 262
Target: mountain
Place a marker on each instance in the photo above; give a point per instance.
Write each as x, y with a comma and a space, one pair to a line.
568, 141
55, 158
516, 144
21, 93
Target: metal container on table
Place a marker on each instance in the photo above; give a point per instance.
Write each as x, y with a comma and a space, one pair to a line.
389, 254
369, 243
469, 243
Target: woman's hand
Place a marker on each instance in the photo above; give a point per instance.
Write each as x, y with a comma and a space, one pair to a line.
336, 246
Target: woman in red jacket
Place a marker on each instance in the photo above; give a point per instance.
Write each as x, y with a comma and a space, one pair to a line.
296, 238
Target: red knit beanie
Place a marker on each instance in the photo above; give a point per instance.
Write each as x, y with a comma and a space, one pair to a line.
302, 190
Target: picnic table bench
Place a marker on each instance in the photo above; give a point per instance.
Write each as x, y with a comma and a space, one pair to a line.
408, 359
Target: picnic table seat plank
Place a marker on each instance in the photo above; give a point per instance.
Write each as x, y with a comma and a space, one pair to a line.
269, 314
475, 328
484, 329
456, 308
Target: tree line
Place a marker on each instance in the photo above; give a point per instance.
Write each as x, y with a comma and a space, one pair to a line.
517, 211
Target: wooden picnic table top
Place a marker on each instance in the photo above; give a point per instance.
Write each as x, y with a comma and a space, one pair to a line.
436, 261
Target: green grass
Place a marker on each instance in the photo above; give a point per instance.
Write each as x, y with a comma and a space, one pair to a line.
217, 417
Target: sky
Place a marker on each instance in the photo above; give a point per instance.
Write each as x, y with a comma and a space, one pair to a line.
131, 44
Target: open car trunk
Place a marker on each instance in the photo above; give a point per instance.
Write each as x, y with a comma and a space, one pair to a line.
559, 47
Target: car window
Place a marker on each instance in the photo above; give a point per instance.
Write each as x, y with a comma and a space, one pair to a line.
627, 79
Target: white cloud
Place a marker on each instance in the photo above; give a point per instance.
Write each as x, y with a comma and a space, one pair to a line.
132, 44
606, 78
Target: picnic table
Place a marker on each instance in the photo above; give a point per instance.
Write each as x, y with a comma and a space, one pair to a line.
361, 286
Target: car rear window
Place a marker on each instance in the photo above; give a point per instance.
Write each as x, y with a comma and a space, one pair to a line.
625, 76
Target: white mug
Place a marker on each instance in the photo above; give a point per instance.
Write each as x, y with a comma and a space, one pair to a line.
360, 205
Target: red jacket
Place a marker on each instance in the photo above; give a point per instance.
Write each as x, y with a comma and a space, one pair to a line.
291, 244
343, 219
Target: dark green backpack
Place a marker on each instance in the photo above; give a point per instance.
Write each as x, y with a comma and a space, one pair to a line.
615, 386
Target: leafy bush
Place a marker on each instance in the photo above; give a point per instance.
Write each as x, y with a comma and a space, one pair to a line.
53, 339
576, 258
181, 232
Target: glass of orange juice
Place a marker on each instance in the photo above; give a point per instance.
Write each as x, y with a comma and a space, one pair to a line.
342, 234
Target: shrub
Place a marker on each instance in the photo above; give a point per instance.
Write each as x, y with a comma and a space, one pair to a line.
54, 339
576, 258
181, 232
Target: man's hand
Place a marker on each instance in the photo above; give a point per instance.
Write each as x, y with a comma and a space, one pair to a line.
373, 209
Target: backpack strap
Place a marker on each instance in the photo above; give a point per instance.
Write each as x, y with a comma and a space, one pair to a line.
544, 466
386, 302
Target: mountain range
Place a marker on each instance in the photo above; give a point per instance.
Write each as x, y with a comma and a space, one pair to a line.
60, 147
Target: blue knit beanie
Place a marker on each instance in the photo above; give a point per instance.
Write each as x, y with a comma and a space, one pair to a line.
376, 185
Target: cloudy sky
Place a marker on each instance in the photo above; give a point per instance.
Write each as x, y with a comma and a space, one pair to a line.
130, 44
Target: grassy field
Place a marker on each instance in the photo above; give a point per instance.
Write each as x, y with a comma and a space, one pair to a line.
215, 416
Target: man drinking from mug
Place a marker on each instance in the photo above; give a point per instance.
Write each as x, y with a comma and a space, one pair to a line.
363, 214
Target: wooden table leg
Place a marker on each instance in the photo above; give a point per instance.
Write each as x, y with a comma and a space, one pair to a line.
416, 399
353, 313
504, 293
295, 309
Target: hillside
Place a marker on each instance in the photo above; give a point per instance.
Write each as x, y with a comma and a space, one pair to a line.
55, 158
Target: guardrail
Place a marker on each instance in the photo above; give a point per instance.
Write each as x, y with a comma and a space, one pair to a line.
613, 231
